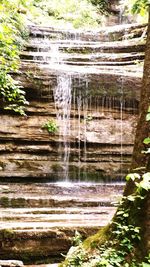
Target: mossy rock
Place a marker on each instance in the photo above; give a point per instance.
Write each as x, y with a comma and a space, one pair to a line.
6, 234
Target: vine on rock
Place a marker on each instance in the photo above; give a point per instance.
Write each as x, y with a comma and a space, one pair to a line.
124, 235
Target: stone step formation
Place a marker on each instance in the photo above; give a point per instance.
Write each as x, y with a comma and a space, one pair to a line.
39, 220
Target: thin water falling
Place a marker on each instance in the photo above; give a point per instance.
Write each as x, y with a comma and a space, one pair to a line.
121, 126
121, 138
90, 102
62, 98
54, 53
85, 121
71, 170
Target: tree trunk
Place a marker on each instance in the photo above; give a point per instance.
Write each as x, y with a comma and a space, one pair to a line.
141, 160
143, 128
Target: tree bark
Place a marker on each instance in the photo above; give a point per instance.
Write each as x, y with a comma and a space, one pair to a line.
141, 160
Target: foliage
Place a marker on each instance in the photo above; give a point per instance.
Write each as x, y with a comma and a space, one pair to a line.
51, 126
12, 32
102, 5
77, 239
13, 16
124, 242
125, 234
67, 13
140, 6
137, 7
11, 94
146, 140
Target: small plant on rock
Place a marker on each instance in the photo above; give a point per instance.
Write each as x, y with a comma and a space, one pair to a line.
51, 126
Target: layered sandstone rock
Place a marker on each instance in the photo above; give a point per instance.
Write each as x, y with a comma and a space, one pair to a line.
104, 92
92, 95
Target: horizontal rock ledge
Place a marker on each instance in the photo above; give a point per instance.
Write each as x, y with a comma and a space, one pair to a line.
11, 263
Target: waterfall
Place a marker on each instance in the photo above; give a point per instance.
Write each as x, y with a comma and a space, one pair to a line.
90, 92
54, 52
121, 137
62, 98
94, 105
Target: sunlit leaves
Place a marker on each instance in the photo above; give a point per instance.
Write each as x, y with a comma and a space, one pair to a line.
12, 94
146, 141
137, 7
148, 117
145, 183
141, 182
68, 13
148, 114
132, 176
144, 264
51, 126
131, 198
140, 6
11, 31
102, 5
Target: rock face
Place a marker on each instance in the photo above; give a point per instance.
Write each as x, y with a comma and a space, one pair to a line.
39, 220
90, 93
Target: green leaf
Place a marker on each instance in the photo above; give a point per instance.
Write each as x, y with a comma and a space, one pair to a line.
146, 141
131, 198
148, 117
125, 215
132, 176
144, 264
120, 212
144, 185
146, 177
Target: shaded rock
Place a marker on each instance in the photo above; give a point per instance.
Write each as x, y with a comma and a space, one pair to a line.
34, 245
39, 224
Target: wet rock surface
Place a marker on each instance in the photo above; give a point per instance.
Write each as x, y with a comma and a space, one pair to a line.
38, 215
104, 80
39, 220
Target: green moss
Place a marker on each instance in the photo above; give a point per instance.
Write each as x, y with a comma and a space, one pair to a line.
6, 234
99, 238
120, 243
18, 202
56, 167
4, 201
88, 245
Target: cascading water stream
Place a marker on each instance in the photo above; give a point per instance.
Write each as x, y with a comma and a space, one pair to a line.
89, 102
79, 132
85, 121
121, 125
62, 98
93, 106
121, 137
